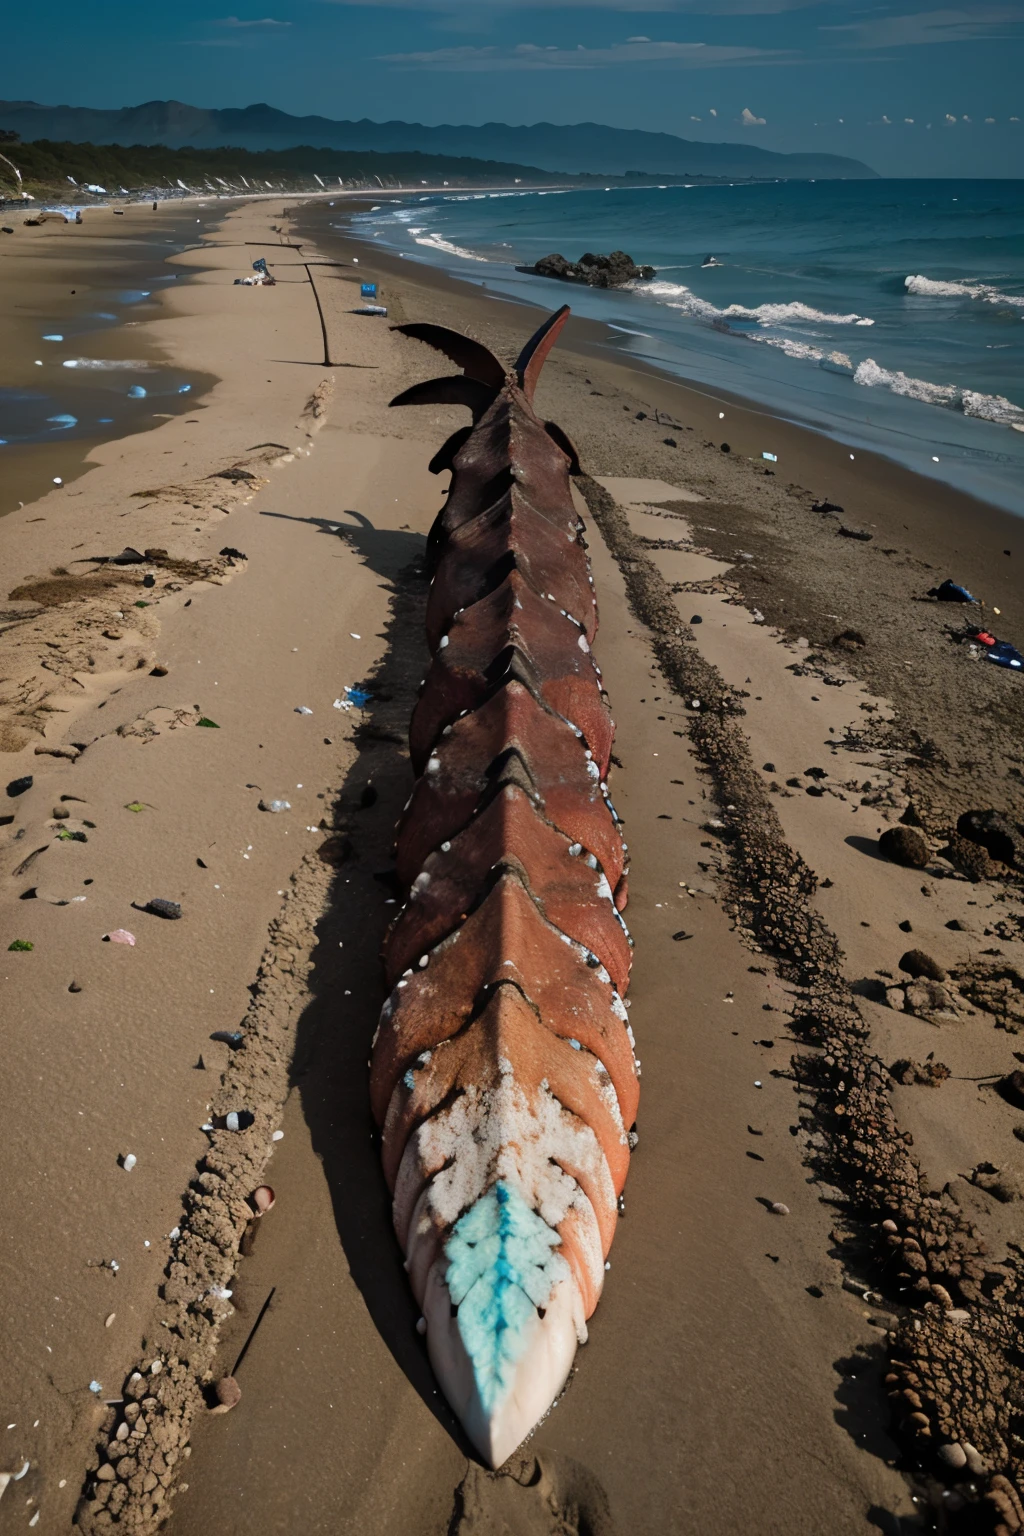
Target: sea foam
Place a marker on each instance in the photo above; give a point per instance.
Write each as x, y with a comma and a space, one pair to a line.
678, 296
995, 408
936, 288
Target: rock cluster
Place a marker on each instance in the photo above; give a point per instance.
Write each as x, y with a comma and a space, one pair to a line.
613, 271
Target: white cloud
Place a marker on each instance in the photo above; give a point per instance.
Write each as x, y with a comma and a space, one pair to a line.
908, 119
748, 119
714, 112
1014, 119
887, 120
940, 26
637, 39
990, 119
950, 119
692, 7
263, 21
531, 56
694, 119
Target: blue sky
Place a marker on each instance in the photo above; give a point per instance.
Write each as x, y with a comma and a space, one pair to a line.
913, 88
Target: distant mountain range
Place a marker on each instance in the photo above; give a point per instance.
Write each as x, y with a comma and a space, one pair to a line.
580, 147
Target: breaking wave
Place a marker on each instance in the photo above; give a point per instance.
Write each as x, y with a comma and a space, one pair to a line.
438, 243
935, 288
105, 363
970, 402
677, 296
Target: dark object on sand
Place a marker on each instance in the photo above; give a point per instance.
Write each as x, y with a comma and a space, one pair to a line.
160, 907
231, 1037
19, 786
951, 592
612, 271
916, 963
128, 556
927, 1074
826, 506
902, 845
855, 533
725, 448
230, 553
850, 640
999, 836
969, 858
1001, 652
1011, 1088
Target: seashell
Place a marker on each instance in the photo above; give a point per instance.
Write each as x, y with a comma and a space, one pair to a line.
128, 1161
109, 1320
262, 1199
119, 936
228, 1394
778, 1209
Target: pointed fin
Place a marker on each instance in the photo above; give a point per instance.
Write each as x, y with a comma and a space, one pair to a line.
471, 356
453, 389
531, 359
445, 455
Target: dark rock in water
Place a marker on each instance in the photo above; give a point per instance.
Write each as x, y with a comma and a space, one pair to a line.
612, 271
999, 836
19, 786
916, 963
904, 846
969, 858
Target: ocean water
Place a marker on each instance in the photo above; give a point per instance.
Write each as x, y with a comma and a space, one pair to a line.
887, 314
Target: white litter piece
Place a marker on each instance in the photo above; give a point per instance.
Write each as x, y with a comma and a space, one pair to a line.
772, 458
277, 1136
128, 1161
301, 709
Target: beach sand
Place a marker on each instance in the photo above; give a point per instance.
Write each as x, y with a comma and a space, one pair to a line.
733, 1378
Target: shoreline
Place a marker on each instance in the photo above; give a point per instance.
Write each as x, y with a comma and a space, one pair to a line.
807, 579
294, 513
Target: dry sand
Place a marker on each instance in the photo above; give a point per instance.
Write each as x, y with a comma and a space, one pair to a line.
734, 1376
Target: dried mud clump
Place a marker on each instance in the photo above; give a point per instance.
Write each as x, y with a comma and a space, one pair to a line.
931, 1261
997, 987
137, 1461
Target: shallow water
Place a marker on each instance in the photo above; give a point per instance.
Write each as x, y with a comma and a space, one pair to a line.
887, 314
76, 367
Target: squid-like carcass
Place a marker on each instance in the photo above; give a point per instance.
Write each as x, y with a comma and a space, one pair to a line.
503, 1075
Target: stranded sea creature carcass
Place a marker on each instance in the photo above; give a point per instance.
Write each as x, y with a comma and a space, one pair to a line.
503, 1075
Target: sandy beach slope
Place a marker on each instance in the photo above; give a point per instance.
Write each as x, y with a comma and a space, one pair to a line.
734, 1377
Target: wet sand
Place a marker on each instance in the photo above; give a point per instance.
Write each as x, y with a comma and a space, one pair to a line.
734, 1376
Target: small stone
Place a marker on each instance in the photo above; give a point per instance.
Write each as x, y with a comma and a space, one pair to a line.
159, 670
778, 1209
953, 1456
160, 907
75, 987
108, 1321
975, 1461
228, 1394
106, 1473
1011, 1088
905, 927
61, 813
904, 845
19, 786
916, 963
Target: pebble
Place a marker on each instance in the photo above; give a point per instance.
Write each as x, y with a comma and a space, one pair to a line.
916, 963
161, 907
19, 786
159, 670
903, 845
128, 1161
61, 813
263, 1199
778, 1209
108, 1322
953, 1455
228, 1394
75, 987
106, 1473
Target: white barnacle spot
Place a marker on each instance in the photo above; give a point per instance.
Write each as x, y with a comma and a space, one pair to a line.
593, 771
630, 1037
408, 1080
591, 861
446, 847
424, 962
420, 883
403, 983
588, 754
505, 1066
565, 939
433, 764
619, 1009
442, 643
575, 849
576, 1045
603, 888
424, 1057
602, 974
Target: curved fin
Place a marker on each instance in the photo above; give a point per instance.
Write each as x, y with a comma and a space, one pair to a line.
445, 455
453, 389
531, 359
565, 442
471, 356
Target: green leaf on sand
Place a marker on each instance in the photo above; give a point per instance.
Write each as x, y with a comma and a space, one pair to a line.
141, 604
204, 720
135, 805
19, 944
64, 836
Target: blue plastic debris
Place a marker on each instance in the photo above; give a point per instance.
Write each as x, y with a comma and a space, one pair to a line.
136, 392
